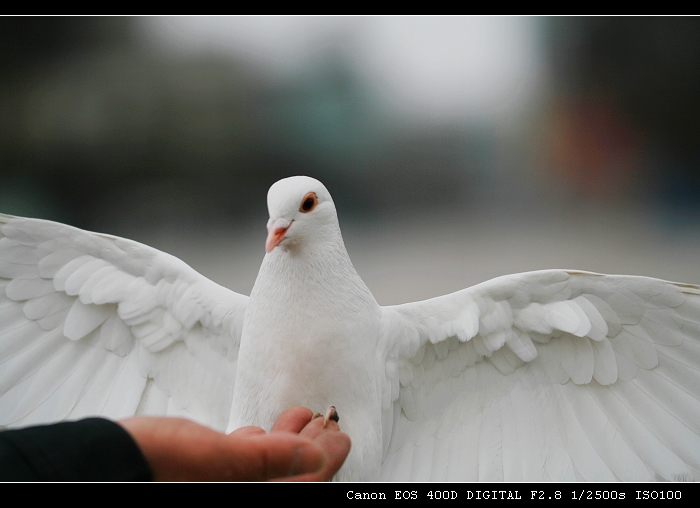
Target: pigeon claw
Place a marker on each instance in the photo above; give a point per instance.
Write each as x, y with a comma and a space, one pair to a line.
331, 414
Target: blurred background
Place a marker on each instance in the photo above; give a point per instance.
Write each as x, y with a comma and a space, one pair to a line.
456, 149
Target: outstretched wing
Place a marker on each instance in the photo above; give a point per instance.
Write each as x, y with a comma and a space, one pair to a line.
92, 324
551, 375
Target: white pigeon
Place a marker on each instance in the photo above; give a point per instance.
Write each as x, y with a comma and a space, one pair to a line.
549, 375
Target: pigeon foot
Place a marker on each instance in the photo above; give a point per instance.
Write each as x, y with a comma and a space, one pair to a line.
331, 414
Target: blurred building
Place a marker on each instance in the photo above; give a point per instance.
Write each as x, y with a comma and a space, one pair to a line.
624, 118
100, 128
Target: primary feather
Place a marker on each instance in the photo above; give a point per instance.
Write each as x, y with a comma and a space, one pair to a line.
550, 375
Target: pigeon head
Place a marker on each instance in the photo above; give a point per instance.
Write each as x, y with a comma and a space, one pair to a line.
301, 211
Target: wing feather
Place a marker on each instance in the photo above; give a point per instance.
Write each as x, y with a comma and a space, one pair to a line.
591, 377
587, 463
490, 446
87, 319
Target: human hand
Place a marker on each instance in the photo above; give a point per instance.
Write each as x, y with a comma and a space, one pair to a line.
298, 448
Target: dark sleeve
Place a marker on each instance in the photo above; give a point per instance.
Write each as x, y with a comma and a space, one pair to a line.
88, 450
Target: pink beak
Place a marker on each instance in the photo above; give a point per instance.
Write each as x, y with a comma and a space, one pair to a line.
276, 229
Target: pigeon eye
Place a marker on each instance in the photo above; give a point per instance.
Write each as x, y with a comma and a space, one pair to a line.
308, 203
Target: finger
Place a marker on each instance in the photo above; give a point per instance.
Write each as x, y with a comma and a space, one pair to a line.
336, 446
274, 456
293, 420
177, 449
248, 431
315, 428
